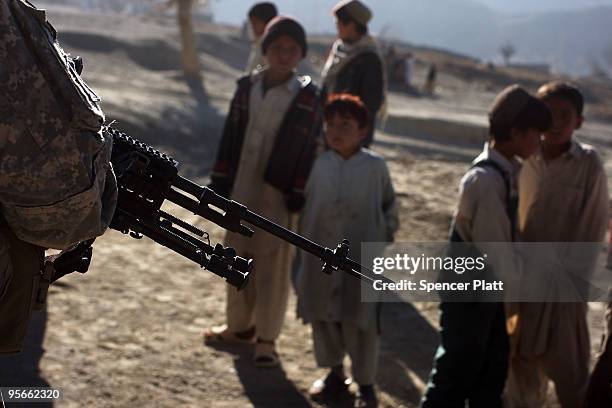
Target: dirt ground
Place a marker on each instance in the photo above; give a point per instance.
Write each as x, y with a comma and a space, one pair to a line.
128, 333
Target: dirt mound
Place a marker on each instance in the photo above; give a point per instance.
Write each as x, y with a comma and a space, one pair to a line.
154, 54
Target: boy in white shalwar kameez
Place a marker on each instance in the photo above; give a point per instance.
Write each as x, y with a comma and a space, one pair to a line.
349, 195
564, 198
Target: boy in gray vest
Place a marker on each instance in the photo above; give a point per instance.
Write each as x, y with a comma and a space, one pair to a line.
471, 362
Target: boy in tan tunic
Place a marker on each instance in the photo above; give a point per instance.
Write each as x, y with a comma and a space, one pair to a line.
264, 158
564, 198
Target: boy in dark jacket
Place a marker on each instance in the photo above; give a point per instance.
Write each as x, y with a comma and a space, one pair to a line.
264, 159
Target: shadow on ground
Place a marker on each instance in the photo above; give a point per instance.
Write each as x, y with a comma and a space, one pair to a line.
408, 345
190, 133
264, 387
188, 127
23, 369
151, 54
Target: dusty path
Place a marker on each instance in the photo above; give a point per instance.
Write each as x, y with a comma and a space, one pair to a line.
128, 332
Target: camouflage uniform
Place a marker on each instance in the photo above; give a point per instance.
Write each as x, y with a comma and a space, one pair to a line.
57, 186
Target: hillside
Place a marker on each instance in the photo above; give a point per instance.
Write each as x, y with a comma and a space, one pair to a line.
568, 40
571, 37
530, 6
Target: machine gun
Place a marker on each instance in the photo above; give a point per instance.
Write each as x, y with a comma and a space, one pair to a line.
147, 178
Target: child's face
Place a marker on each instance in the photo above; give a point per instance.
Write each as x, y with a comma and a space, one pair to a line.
565, 121
283, 55
343, 135
346, 31
527, 142
257, 26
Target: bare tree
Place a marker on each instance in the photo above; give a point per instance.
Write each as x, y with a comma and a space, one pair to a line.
189, 48
507, 51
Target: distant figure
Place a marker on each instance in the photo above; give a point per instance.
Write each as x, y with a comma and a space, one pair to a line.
430, 80
259, 16
408, 68
390, 60
348, 195
267, 149
355, 64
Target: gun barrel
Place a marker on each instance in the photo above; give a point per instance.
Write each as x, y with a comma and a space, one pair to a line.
236, 212
325, 254
228, 220
147, 178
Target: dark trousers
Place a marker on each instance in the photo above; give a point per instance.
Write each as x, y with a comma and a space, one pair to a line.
471, 363
599, 392
16, 306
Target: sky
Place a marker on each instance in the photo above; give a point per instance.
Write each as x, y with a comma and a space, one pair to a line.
526, 6
233, 11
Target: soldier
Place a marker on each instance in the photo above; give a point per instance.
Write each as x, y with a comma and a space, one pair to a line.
57, 187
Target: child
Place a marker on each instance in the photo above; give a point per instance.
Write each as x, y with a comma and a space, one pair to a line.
430, 81
259, 15
355, 64
349, 195
265, 156
472, 359
564, 198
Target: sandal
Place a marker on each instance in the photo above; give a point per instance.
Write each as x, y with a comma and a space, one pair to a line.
265, 354
221, 334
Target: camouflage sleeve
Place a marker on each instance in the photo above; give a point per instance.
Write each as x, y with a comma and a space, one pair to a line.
54, 158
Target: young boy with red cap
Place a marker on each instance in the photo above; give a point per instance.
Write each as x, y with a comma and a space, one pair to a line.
349, 195
266, 152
